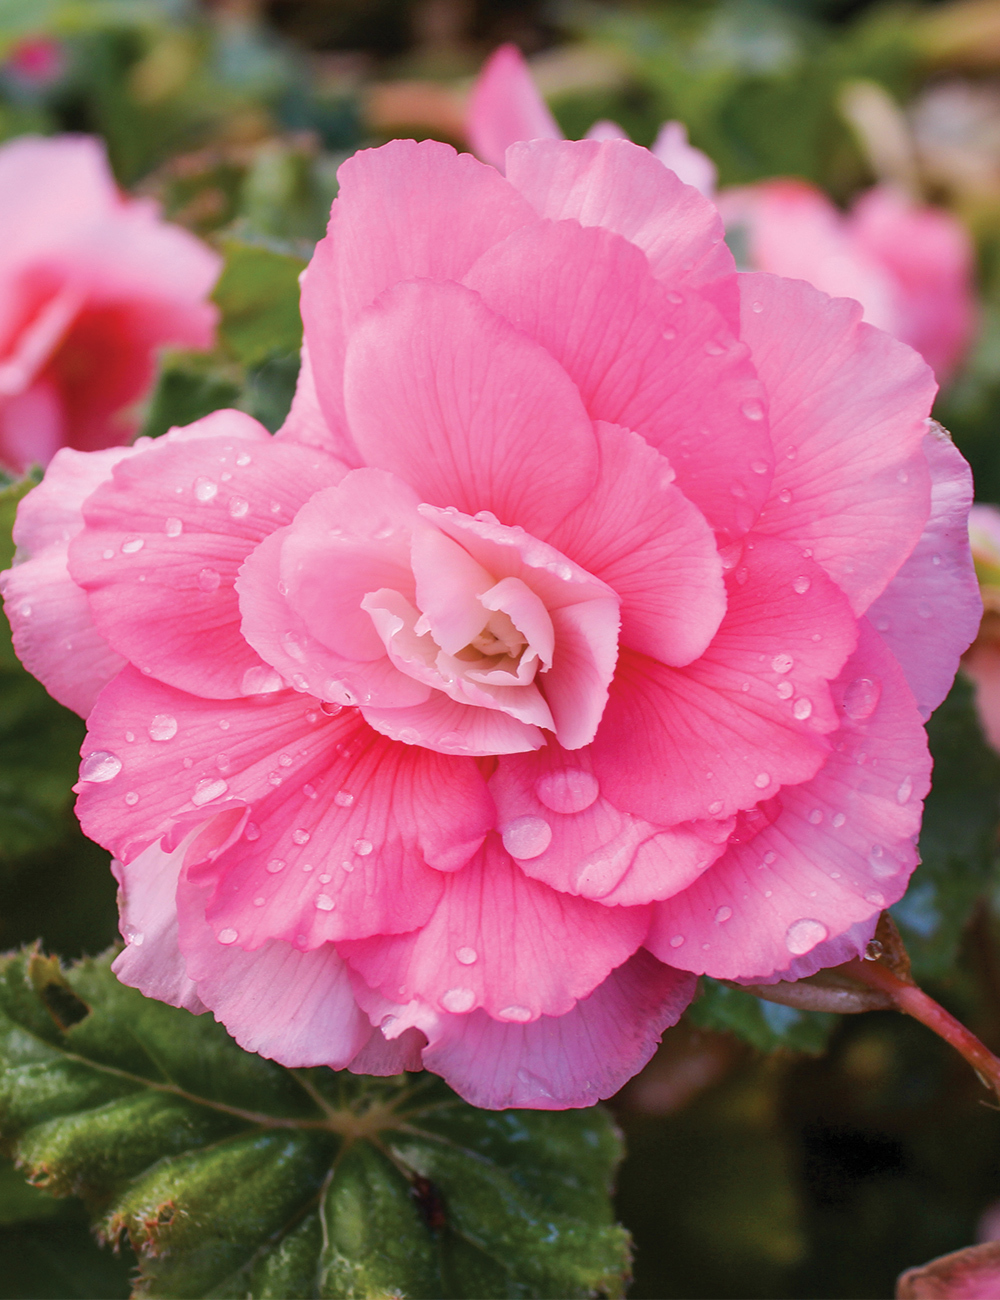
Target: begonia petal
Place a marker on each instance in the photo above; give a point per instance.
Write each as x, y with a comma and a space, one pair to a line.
466, 409
505, 107
841, 848
848, 408
404, 211
450, 727
655, 358
498, 940
170, 530
749, 716
930, 611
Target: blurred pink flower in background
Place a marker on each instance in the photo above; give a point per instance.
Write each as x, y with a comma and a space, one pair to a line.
36, 61
982, 660
505, 107
91, 285
969, 1274
572, 639
910, 266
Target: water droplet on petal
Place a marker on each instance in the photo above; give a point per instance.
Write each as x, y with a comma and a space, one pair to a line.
770, 857
343, 799
301, 837
785, 690
715, 807
753, 411
208, 580
758, 307
567, 791
802, 936
162, 727
782, 663
131, 798
325, 903
784, 496
676, 941
100, 766
520, 1014
207, 790
238, 507
242, 459
905, 790
759, 466
526, 837
723, 914
275, 865
228, 936
877, 899
204, 489
458, 1000
173, 527
861, 698
873, 950
132, 545
800, 585
107, 555
815, 817
251, 831
466, 956
802, 709
838, 820
762, 780
259, 901
362, 848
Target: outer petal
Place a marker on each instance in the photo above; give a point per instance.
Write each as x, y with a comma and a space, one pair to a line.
690, 164
500, 941
848, 409
929, 614
595, 850
841, 848
297, 770
557, 1062
645, 355
446, 725
403, 211
505, 107
638, 533
466, 410
49, 614
746, 718
173, 526
617, 185
294, 1007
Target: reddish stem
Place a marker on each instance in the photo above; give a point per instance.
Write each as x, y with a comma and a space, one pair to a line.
915, 1002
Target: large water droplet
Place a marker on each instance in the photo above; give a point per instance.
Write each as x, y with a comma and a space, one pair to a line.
458, 1000
228, 936
753, 410
520, 1014
800, 585
785, 690
526, 837
782, 663
723, 914
762, 780
133, 545
676, 941
802, 936
802, 709
162, 727
131, 798
100, 766
275, 865
816, 817
343, 799
466, 956
301, 836
861, 698
568, 791
204, 489
260, 680
238, 507
242, 459
715, 807
838, 820
905, 790
251, 831
173, 527
207, 790
362, 848
325, 903
208, 580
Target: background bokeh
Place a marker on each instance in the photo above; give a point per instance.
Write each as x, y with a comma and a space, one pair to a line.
772, 1153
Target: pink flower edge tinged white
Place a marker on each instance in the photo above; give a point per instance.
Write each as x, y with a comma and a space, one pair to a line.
534, 668
93, 284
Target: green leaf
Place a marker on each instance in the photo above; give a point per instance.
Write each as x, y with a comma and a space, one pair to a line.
767, 1026
958, 839
189, 387
258, 294
233, 1177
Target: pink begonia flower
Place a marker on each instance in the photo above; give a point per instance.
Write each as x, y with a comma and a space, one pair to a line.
972, 1273
505, 107
982, 660
92, 285
37, 61
572, 639
909, 266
